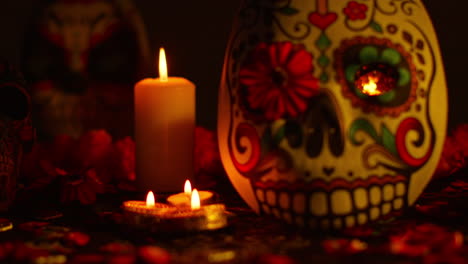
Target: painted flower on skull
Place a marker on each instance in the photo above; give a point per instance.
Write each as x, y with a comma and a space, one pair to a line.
355, 11
278, 79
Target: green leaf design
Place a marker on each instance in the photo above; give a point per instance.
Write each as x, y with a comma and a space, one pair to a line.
323, 42
404, 77
279, 135
362, 125
376, 26
391, 56
323, 61
368, 54
324, 77
387, 97
288, 10
350, 72
360, 94
388, 140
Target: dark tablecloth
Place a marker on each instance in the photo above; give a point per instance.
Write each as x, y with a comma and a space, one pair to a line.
432, 231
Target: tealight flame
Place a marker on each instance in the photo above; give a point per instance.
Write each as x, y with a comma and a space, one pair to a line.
370, 88
150, 199
162, 65
188, 188
195, 201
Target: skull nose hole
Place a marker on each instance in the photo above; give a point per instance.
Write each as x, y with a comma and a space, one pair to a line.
323, 127
328, 170
14, 102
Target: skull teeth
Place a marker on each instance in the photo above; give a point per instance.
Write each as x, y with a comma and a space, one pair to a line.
337, 209
319, 204
341, 202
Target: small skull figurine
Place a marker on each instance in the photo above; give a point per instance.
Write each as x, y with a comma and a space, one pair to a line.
332, 113
15, 130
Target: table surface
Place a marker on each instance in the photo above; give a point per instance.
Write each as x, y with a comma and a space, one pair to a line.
432, 231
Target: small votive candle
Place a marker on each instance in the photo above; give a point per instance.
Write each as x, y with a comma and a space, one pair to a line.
162, 218
148, 207
184, 199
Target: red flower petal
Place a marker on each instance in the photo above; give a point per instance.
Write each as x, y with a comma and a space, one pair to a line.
154, 255
284, 51
300, 63
275, 259
77, 238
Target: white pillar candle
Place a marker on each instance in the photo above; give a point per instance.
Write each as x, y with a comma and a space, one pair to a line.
164, 131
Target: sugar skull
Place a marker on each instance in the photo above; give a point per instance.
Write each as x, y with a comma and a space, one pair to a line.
332, 113
15, 130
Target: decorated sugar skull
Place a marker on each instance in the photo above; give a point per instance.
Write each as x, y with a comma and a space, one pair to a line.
15, 130
332, 113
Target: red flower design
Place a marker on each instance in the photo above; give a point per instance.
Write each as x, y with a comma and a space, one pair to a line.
461, 137
81, 187
206, 150
153, 254
82, 167
355, 11
343, 246
455, 153
208, 166
278, 79
425, 239
274, 259
77, 238
93, 164
119, 163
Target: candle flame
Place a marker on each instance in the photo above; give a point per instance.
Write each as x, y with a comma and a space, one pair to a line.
188, 188
162, 65
371, 88
150, 199
195, 201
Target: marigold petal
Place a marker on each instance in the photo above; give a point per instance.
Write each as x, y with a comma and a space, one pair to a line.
255, 97
300, 63
297, 101
254, 82
273, 53
250, 72
291, 110
285, 52
281, 106
306, 87
270, 107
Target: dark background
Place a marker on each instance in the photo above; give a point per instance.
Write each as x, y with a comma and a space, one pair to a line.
195, 34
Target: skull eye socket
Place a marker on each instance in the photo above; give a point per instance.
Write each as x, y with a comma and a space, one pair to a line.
377, 75
376, 79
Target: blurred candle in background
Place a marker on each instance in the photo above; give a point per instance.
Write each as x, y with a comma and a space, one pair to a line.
164, 130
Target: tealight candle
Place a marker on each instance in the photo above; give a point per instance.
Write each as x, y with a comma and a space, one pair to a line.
184, 199
162, 218
164, 130
148, 207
